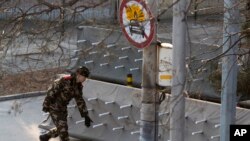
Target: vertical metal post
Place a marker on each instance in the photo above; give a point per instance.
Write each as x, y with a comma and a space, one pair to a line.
130, 80
195, 10
229, 67
114, 10
149, 108
150, 98
62, 16
177, 105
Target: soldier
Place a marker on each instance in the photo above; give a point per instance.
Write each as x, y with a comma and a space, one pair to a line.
57, 99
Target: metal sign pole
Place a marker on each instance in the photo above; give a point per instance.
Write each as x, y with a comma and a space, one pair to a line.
150, 97
229, 67
138, 25
177, 105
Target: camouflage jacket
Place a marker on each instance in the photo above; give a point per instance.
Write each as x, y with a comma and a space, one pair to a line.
61, 92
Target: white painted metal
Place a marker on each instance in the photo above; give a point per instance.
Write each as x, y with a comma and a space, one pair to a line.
165, 54
177, 105
229, 67
106, 127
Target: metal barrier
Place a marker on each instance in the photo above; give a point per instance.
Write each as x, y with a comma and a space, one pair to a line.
115, 110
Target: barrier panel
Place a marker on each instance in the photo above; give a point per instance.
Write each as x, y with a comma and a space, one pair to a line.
115, 110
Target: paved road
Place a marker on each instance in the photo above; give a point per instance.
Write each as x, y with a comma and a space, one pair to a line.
20, 123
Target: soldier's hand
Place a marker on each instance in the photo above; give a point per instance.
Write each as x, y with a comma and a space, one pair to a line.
45, 109
88, 121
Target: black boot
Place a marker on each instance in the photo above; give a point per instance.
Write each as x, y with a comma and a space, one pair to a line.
44, 137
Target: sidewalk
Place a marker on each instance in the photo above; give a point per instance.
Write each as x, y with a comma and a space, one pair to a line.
20, 119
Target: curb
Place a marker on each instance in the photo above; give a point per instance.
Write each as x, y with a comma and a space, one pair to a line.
22, 95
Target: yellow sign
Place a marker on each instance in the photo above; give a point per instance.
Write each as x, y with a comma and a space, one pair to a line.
135, 12
166, 77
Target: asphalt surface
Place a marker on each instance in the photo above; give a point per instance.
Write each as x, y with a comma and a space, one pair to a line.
20, 118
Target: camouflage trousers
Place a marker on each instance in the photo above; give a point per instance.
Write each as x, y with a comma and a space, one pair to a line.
61, 129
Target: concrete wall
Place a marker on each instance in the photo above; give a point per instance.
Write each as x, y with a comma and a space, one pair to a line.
202, 122
116, 57
97, 42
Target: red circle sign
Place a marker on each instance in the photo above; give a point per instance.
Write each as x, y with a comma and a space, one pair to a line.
137, 22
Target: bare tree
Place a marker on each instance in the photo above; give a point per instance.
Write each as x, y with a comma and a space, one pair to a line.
32, 33
42, 26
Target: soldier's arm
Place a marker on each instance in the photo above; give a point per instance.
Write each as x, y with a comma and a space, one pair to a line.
81, 104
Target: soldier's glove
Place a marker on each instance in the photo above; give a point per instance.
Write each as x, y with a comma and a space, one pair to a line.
88, 121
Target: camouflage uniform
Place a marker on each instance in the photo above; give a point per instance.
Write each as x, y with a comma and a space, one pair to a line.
56, 101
